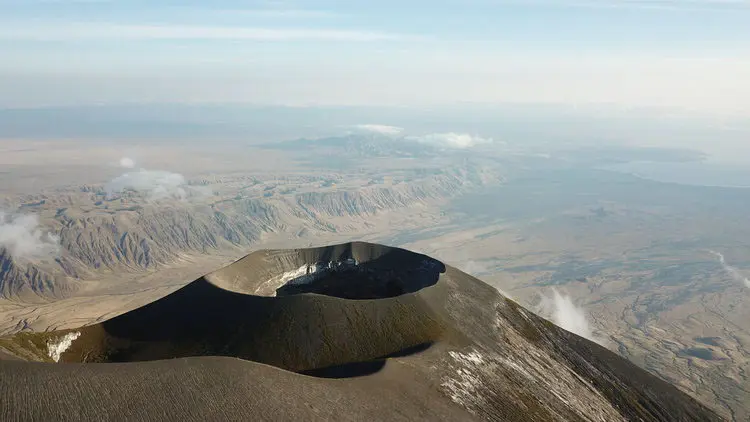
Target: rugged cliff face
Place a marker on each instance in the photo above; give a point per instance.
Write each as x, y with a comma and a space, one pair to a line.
344, 332
128, 232
19, 278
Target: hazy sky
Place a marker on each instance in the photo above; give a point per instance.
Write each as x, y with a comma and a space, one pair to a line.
676, 53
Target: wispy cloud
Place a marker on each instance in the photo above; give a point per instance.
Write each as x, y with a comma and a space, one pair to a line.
23, 238
451, 140
381, 129
564, 313
732, 271
127, 162
474, 268
157, 184
154, 184
106, 31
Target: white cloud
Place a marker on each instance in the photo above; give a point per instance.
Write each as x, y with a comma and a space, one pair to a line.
21, 236
451, 140
565, 314
733, 272
474, 268
381, 129
712, 83
105, 31
157, 184
127, 163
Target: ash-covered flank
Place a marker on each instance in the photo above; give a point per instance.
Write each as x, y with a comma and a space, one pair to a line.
347, 332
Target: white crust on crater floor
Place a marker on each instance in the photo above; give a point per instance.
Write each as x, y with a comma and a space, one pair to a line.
305, 274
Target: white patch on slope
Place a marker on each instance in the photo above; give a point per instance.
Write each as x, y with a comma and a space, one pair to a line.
302, 275
56, 348
733, 272
464, 388
478, 377
305, 274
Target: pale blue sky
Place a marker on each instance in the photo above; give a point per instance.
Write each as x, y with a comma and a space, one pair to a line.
669, 53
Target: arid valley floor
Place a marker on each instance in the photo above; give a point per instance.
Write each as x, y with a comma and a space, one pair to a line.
652, 271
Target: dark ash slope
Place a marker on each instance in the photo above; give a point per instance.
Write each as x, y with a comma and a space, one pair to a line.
346, 332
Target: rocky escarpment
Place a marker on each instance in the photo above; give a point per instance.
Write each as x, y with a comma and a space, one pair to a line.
131, 233
360, 146
372, 199
156, 235
19, 278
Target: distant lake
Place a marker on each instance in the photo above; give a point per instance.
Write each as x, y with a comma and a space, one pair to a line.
704, 173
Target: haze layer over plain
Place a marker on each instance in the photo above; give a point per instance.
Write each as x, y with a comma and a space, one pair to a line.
629, 254
648, 54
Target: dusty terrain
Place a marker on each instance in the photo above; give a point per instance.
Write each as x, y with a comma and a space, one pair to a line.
637, 258
643, 267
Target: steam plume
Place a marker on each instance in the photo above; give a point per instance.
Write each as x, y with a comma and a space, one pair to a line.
21, 236
565, 314
126, 162
157, 184
732, 271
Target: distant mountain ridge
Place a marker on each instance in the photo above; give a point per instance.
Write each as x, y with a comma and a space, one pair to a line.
125, 234
360, 146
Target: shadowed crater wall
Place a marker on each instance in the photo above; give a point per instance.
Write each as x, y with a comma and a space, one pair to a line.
351, 332
311, 322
